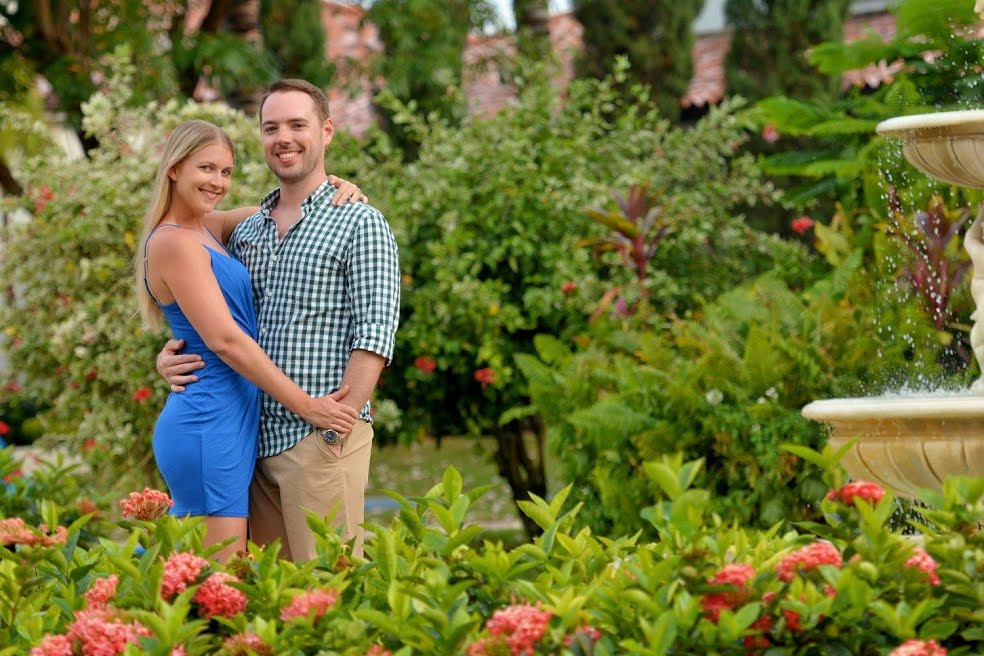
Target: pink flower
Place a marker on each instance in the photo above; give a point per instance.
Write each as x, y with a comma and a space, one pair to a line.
489, 646
485, 376
246, 644
101, 592
45, 195
425, 364
592, 633
802, 225
217, 599
809, 557
181, 570
142, 394
846, 494
924, 563
147, 505
315, 602
53, 645
100, 635
568, 287
14, 531
522, 625
770, 134
919, 648
179, 651
757, 636
735, 576
378, 650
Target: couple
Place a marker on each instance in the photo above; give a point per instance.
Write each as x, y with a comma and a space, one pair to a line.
299, 298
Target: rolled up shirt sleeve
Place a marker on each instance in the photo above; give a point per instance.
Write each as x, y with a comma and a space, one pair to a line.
374, 286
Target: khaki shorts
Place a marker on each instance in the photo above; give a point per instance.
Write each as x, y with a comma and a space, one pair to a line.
306, 477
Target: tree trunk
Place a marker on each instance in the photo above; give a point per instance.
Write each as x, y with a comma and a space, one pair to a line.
245, 22
8, 183
524, 471
532, 27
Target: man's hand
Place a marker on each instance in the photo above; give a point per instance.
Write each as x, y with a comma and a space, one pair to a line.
175, 367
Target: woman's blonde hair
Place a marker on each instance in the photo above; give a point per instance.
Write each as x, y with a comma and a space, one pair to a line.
185, 140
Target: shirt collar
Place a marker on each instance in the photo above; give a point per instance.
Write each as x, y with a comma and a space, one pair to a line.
324, 192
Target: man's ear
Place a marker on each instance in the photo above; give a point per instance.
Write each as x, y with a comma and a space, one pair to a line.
329, 130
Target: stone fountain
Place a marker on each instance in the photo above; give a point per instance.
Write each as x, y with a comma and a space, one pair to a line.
911, 442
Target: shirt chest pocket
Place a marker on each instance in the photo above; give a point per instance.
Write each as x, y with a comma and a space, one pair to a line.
314, 277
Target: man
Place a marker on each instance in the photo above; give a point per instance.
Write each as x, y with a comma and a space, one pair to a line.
326, 285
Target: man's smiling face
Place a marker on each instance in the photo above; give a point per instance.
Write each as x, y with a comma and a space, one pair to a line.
294, 136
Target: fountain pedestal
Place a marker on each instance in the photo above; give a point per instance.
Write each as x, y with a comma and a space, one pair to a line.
906, 443
912, 442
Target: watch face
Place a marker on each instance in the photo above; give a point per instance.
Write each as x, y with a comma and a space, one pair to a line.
329, 436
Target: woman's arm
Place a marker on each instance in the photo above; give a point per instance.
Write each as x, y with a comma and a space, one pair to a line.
184, 267
221, 223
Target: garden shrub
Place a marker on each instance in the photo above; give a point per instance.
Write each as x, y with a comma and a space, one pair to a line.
846, 585
726, 385
494, 246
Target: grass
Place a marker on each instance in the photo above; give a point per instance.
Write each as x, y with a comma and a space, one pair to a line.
412, 471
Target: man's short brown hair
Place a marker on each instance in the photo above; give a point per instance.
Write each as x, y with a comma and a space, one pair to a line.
313, 92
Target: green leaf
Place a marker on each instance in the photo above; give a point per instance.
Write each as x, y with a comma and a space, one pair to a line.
452, 484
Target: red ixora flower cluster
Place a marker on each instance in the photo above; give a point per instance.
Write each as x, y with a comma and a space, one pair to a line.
315, 603
181, 570
809, 557
485, 376
846, 494
246, 644
520, 626
97, 633
425, 364
924, 563
736, 577
802, 225
147, 505
14, 531
378, 650
142, 394
568, 287
216, 598
102, 591
919, 648
592, 633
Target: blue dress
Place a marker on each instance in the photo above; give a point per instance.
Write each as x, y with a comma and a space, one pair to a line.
206, 438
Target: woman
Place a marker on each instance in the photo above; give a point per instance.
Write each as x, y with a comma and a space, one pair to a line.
205, 440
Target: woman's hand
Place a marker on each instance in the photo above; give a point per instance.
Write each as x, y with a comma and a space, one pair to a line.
347, 192
328, 412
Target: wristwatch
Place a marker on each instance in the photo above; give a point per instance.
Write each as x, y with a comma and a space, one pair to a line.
330, 436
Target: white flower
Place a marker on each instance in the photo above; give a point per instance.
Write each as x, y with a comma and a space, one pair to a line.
714, 396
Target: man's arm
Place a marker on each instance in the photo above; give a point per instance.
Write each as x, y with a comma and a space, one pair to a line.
361, 374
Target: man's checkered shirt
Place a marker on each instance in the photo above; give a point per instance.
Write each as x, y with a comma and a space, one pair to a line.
330, 286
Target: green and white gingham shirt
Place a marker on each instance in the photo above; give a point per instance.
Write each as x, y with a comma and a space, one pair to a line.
330, 286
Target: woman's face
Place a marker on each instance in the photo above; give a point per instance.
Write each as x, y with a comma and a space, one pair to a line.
203, 178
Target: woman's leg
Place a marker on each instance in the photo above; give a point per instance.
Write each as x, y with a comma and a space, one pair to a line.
219, 529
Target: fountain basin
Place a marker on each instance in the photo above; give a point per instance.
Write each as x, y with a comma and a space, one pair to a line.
906, 443
948, 146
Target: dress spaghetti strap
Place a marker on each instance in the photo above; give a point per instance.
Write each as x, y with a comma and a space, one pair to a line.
147, 241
